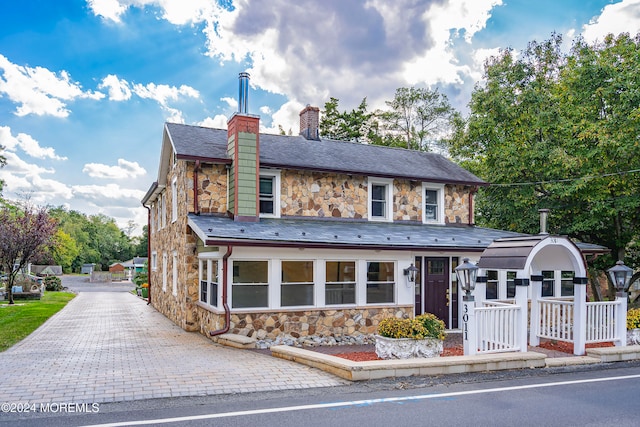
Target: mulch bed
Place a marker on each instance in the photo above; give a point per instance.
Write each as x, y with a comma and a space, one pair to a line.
564, 347
567, 347
363, 356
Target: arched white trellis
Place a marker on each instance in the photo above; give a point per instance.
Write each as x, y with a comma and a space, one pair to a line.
529, 256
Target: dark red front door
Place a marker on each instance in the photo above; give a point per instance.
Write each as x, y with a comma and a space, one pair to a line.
436, 287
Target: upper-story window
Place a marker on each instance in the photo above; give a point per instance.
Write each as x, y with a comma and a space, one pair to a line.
269, 194
380, 199
174, 199
433, 205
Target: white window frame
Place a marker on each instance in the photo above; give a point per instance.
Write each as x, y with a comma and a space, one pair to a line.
165, 263
154, 261
275, 174
268, 283
174, 199
325, 282
152, 219
366, 281
388, 184
211, 273
175, 273
159, 213
164, 209
313, 282
440, 213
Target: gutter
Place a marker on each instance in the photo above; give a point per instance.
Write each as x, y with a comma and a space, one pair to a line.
227, 311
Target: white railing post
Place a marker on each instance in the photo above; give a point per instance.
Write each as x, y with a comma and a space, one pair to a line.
579, 315
469, 327
621, 320
522, 288
534, 324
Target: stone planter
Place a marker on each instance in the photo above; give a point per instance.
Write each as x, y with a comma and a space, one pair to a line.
407, 348
633, 337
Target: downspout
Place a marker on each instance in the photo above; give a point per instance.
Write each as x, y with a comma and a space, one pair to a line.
227, 312
148, 252
196, 206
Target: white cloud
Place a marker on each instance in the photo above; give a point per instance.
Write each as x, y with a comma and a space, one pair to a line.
40, 91
118, 88
231, 102
27, 144
217, 122
108, 9
615, 18
123, 170
288, 116
163, 94
104, 195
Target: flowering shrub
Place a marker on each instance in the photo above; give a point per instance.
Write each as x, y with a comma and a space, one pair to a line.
633, 318
144, 285
424, 326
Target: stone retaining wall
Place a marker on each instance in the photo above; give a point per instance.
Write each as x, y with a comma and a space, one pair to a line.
331, 322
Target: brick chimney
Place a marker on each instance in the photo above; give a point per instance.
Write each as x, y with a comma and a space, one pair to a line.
310, 123
243, 147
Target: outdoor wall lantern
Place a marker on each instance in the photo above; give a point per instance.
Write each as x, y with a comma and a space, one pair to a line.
410, 273
620, 275
467, 274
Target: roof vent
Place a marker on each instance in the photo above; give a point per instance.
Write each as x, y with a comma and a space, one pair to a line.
243, 93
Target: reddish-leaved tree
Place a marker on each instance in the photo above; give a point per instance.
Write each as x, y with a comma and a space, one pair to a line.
24, 233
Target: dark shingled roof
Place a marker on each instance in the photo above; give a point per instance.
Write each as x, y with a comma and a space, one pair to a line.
296, 152
216, 230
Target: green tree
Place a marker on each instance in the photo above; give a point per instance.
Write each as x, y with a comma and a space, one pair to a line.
558, 130
345, 126
24, 232
418, 119
64, 250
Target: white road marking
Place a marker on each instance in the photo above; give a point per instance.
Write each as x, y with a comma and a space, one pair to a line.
357, 402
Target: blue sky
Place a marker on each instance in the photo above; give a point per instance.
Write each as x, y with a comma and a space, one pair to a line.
86, 85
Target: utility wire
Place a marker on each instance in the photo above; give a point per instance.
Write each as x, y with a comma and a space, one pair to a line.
555, 181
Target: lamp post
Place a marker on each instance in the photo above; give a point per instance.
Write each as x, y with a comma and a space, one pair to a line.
620, 275
467, 274
411, 273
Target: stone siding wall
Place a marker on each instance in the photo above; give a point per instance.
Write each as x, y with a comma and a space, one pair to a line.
407, 200
323, 195
212, 188
179, 308
329, 322
456, 204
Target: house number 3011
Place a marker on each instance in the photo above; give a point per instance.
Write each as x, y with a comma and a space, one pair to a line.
465, 319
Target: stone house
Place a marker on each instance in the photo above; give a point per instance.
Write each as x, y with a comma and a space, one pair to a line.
266, 235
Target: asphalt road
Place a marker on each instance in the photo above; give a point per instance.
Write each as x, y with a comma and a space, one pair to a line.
596, 395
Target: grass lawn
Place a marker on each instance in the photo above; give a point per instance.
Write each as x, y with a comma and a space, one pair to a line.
19, 320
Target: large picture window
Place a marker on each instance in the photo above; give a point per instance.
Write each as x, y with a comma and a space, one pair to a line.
297, 283
340, 283
250, 286
380, 282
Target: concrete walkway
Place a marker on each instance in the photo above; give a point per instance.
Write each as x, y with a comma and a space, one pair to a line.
111, 346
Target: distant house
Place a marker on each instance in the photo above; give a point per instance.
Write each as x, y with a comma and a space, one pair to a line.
264, 235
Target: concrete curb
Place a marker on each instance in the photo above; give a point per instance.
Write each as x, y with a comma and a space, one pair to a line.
360, 371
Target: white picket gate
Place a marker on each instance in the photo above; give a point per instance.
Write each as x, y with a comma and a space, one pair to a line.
556, 319
497, 327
